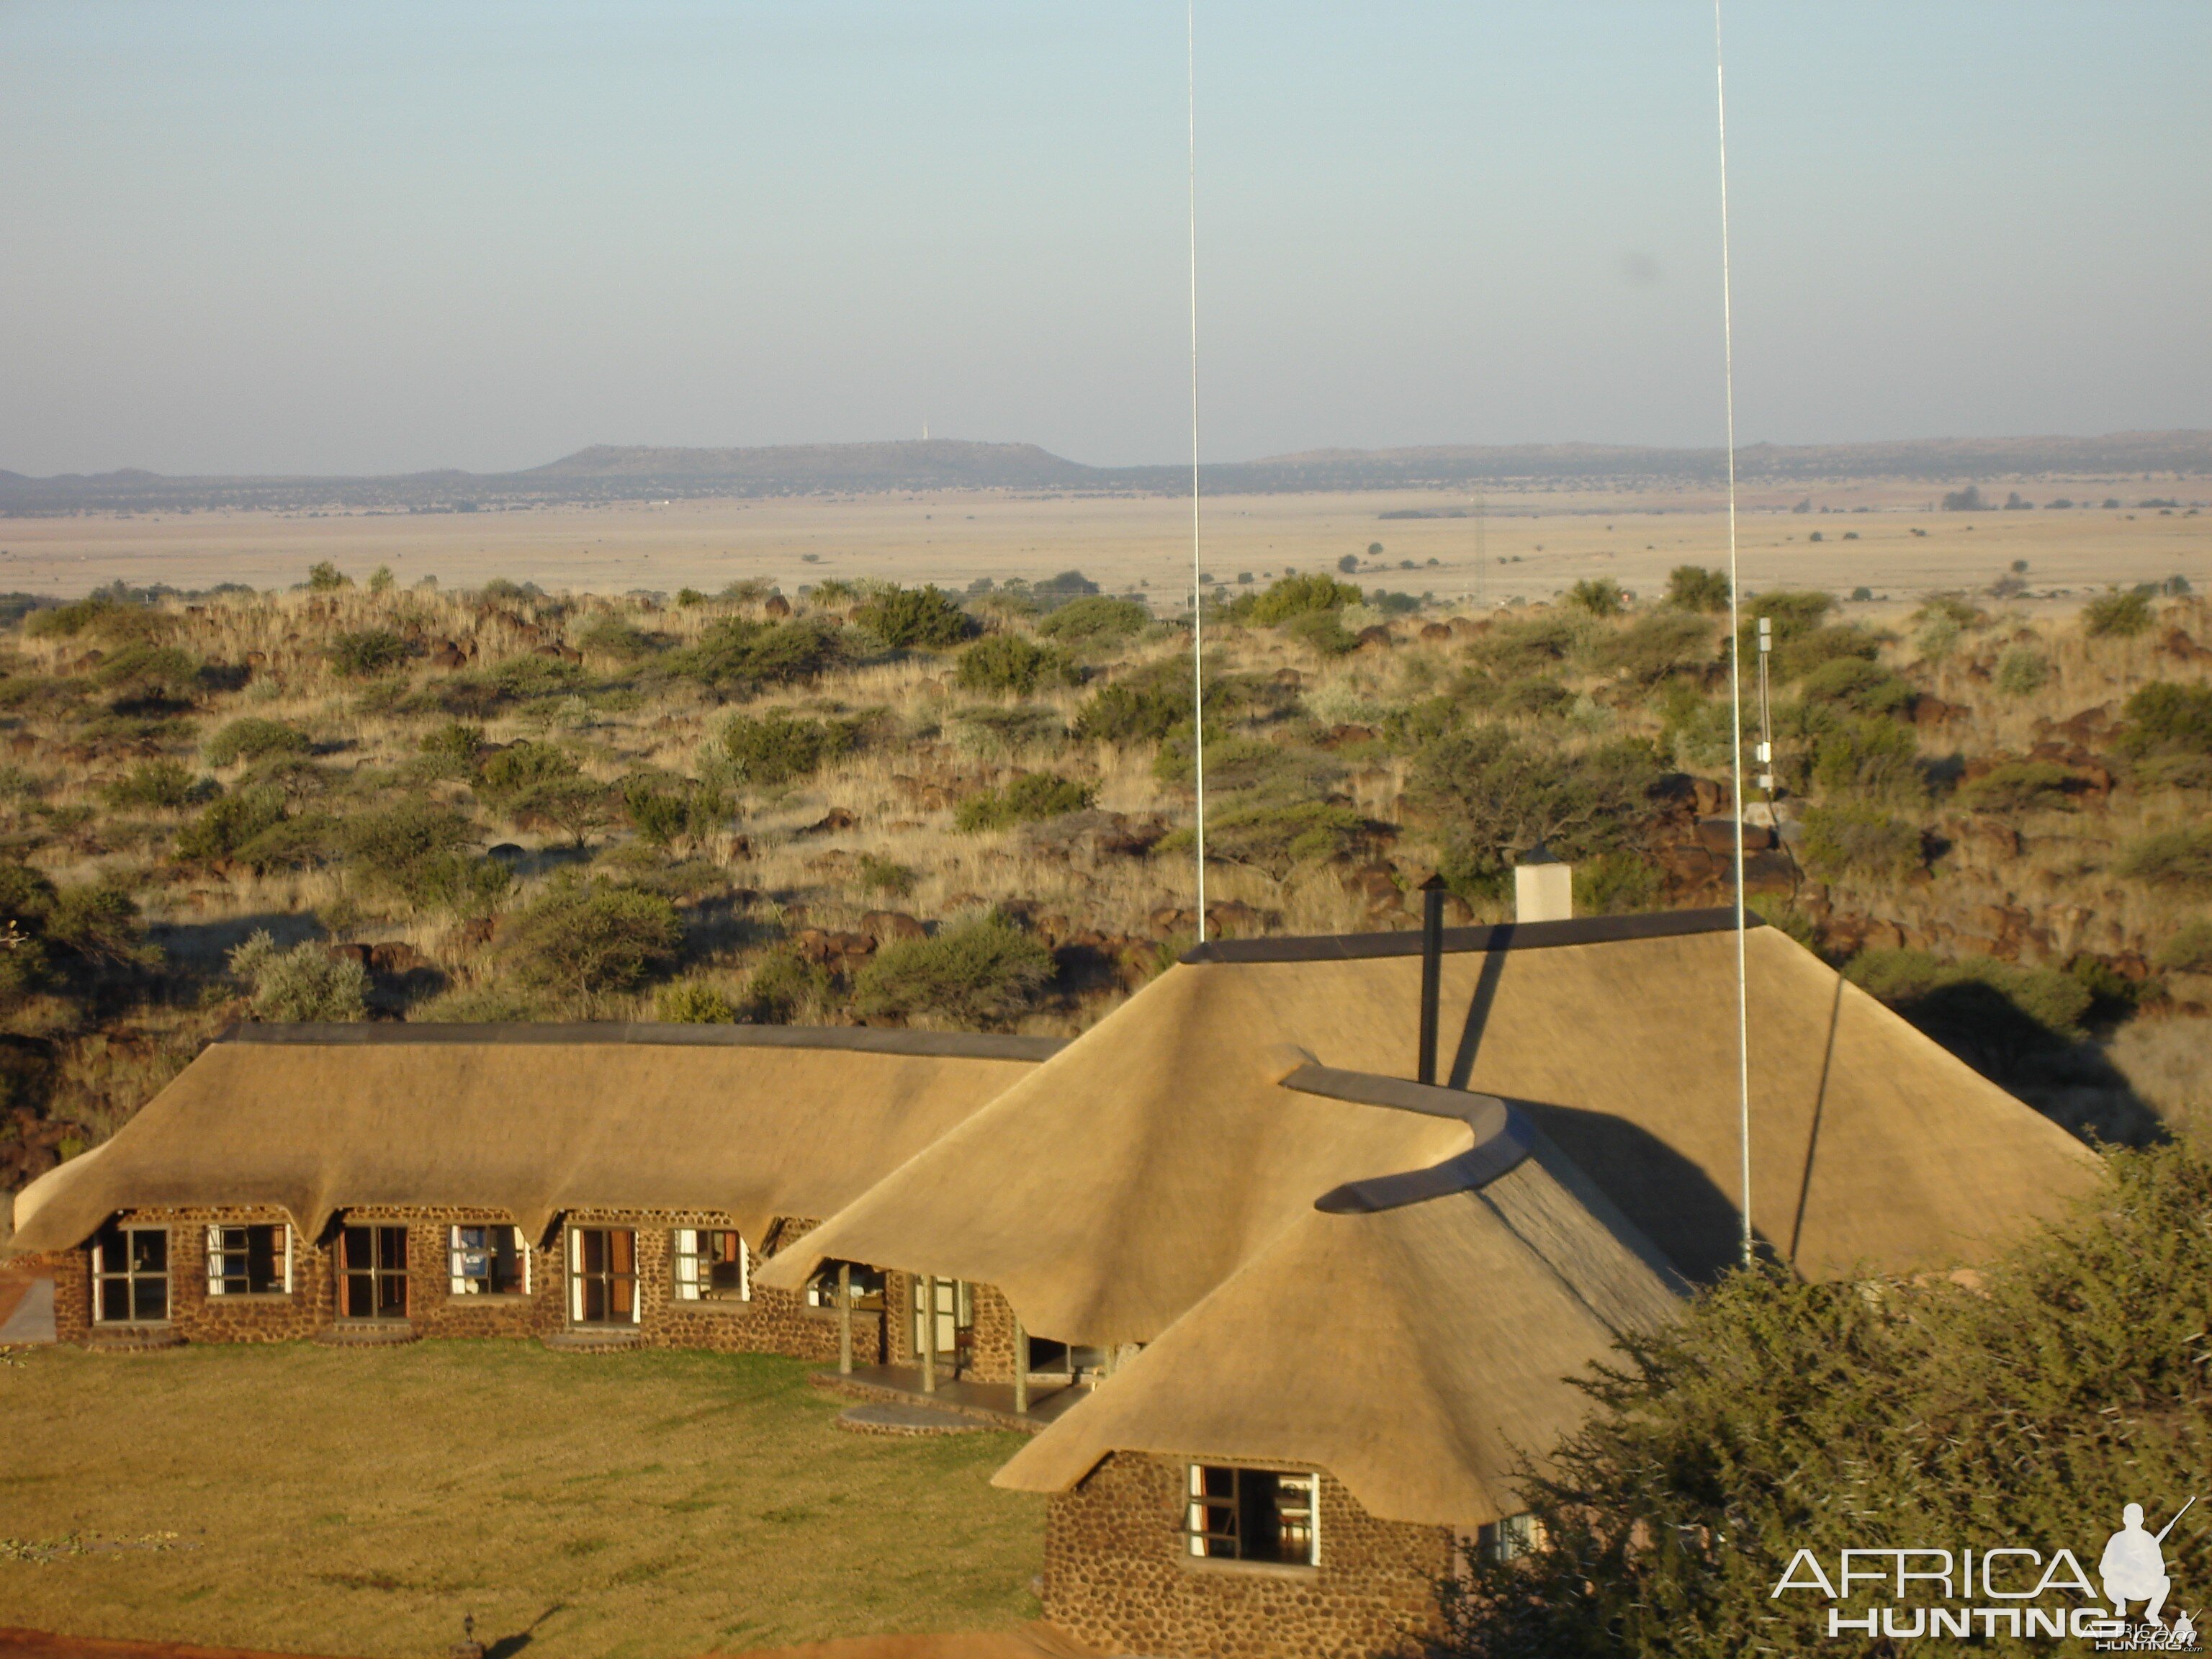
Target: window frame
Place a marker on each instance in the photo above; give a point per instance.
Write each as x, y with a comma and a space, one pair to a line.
689, 1253
580, 1278
376, 1272
1200, 1506
460, 1282
220, 1250
129, 1274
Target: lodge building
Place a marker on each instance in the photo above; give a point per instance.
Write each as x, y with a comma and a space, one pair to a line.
1282, 1319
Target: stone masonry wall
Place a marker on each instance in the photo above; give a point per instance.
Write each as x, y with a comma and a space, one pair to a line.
991, 1358
1118, 1575
770, 1322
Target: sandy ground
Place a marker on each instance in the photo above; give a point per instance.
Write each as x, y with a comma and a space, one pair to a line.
1529, 546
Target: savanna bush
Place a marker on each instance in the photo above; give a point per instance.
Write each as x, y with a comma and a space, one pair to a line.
737, 655
303, 984
2017, 787
925, 618
769, 750
693, 1002
1032, 796
782, 988
392, 850
2177, 858
1496, 796
159, 785
2115, 615
585, 938
2190, 950
1854, 838
1855, 683
365, 653
1290, 597
1598, 595
978, 973
2022, 672
1006, 664
1692, 587
254, 737
1647, 650
1095, 620
1143, 708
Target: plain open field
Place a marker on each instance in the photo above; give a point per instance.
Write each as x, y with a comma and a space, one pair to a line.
1546, 542
301, 1499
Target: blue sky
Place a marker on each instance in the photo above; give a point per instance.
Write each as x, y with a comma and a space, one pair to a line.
303, 238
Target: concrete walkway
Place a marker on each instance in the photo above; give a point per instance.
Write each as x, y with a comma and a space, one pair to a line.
27, 1308
992, 1403
1037, 1641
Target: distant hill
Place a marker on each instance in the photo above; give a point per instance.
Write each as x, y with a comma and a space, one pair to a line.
612, 472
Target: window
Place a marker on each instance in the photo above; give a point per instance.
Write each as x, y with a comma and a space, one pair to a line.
373, 1266
1252, 1515
251, 1261
868, 1285
487, 1261
130, 1275
1508, 1539
602, 1276
711, 1266
955, 1315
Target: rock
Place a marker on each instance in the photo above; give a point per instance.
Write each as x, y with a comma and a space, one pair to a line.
448, 657
1717, 835
1467, 627
2178, 644
836, 817
1232, 919
395, 958
1709, 797
507, 852
1340, 735
1374, 639
1435, 631
1375, 887
776, 606
1930, 711
1290, 678
885, 926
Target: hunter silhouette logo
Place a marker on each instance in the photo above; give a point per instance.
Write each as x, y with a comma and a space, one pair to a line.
2133, 1566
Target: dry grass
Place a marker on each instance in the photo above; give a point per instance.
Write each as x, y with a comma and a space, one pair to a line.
292, 1497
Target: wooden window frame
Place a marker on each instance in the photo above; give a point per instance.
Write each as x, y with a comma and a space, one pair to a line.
460, 1282
128, 1273
580, 1278
221, 1249
1213, 1518
689, 1254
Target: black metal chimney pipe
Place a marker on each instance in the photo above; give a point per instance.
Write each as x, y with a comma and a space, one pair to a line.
1432, 970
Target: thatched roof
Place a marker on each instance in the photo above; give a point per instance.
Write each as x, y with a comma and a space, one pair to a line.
757, 1121
1142, 1166
1415, 1352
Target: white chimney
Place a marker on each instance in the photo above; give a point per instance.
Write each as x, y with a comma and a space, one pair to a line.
1543, 888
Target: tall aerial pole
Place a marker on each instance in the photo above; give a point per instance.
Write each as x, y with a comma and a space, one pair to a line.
1197, 566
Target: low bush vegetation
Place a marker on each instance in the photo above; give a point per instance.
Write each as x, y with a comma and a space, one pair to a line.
1095, 620
583, 937
2115, 615
769, 750
303, 984
371, 651
923, 618
1293, 596
1854, 839
253, 738
1034, 795
2178, 857
1007, 665
981, 973
2017, 787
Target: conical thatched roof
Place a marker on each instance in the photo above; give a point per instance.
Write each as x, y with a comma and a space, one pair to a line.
1120, 1181
531, 1120
1415, 1353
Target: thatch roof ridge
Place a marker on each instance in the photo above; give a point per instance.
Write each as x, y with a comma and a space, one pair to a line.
857, 1039
1416, 1353
1458, 941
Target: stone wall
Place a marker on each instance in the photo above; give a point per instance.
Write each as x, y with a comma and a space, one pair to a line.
990, 1358
1118, 1576
770, 1321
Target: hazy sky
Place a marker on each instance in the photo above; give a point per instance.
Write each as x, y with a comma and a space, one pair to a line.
366, 238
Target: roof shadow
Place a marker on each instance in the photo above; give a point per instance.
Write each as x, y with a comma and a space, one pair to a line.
1693, 1221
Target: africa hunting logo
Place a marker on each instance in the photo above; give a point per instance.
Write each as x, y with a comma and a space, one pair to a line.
1938, 1593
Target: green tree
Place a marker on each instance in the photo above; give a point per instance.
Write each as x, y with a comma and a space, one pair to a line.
769, 750
588, 938
2115, 615
1292, 597
1601, 597
1692, 587
1006, 664
327, 578
1033, 795
366, 652
1096, 620
924, 617
303, 984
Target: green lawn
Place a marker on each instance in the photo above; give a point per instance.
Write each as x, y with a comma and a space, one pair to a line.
607, 1505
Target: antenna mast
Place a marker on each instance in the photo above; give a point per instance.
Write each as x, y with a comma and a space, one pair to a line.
1735, 667
1197, 569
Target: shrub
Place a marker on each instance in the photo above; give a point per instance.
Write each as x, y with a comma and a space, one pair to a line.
980, 973
1858, 684
617, 637
117, 621
1652, 647
1290, 597
1032, 796
694, 1002
99, 921
1854, 839
1723, 1443
783, 989
1841, 753
1616, 883
392, 850
225, 827
2178, 858
327, 578
1275, 838
1599, 598
303, 984
1693, 588
1322, 631
2115, 615
369, 651
2017, 787
769, 750
536, 784
585, 937
1095, 619
453, 750
162, 785
1144, 708
2163, 717
253, 739
2189, 951
924, 617
1496, 796
2022, 672
1006, 664
150, 673
664, 812
886, 876
1806, 652
738, 655
1795, 613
